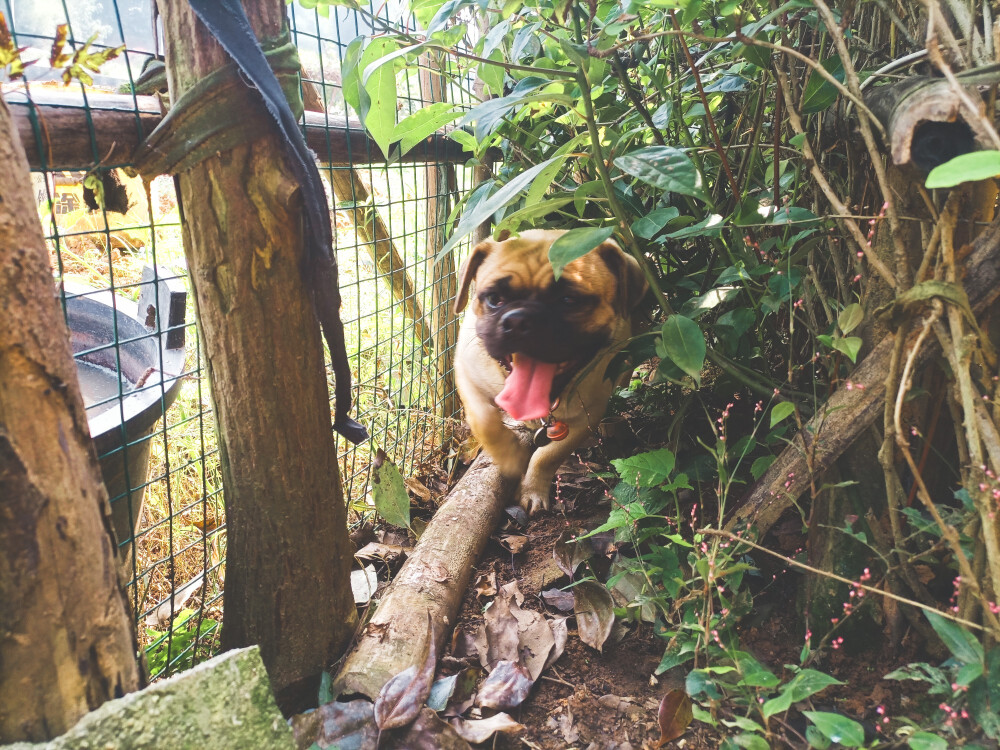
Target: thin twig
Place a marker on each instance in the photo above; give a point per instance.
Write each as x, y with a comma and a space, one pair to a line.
841, 579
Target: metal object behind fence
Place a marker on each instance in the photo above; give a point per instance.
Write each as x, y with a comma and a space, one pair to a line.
388, 230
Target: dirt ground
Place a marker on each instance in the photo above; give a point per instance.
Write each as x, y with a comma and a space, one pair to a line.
609, 700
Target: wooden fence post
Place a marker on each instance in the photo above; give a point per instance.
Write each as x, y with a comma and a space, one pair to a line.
67, 640
288, 554
444, 284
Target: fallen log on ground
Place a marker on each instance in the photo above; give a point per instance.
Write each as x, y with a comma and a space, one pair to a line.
848, 413
431, 582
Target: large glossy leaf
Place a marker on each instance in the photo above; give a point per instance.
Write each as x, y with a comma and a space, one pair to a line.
664, 167
575, 244
806, 683
646, 469
489, 206
979, 165
819, 93
422, 123
837, 728
389, 491
684, 344
962, 644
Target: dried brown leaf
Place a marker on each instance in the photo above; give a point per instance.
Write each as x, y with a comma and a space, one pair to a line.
350, 724
514, 543
595, 615
674, 716
503, 642
480, 730
486, 584
401, 698
570, 552
561, 600
430, 732
507, 686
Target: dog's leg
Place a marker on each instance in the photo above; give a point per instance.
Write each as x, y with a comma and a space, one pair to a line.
544, 464
509, 453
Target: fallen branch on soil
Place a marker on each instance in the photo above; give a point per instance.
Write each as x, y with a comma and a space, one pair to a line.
430, 583
851, 411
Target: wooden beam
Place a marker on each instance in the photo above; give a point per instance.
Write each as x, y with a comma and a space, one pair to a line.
63, 130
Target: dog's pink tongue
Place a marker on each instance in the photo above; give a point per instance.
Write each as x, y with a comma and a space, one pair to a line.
527, 391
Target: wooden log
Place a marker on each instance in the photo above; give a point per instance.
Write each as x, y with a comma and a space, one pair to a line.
848, 413
288, 553
67, 641
62, 131
431, 582
348, 187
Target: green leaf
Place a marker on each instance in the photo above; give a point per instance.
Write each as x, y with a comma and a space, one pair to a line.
424, 10
979, 165
761, 465
849, 345
781, 411
575, 244
646, 469
379, 87
350, 72
751, 742
684, 344
805, 683
486, 208
422, 123
837, 728
666, 168
850, 318
962, 644
711, 226
819, 93
926, 741
651, 224
389, 491
532, 211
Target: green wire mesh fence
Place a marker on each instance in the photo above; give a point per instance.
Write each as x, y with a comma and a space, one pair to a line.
121, 268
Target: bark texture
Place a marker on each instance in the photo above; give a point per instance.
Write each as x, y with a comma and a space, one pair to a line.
288, 554
430, 583
67, 642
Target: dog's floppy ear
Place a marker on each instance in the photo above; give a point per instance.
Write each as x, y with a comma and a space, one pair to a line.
632, 284
468, 272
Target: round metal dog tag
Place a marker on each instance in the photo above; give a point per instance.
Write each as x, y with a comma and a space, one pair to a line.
541, 437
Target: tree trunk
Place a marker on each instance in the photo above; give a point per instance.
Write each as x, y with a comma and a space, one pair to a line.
67, 642
288, 556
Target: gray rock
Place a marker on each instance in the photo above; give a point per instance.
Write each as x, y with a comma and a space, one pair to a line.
223, 703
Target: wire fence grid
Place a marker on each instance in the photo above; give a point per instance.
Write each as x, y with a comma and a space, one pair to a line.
123, 255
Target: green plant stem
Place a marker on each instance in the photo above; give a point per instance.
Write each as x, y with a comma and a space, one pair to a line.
616, 207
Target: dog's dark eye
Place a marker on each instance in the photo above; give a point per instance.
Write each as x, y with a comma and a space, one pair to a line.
570, 301
494, 300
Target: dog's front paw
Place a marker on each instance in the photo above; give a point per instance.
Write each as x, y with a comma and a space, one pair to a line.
534, 500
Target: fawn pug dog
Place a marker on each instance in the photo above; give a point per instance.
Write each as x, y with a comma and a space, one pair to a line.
532, 350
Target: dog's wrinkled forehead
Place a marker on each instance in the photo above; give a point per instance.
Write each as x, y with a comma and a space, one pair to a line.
522, 263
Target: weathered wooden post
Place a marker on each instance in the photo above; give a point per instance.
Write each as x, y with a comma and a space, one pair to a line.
288, 556
67, 642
